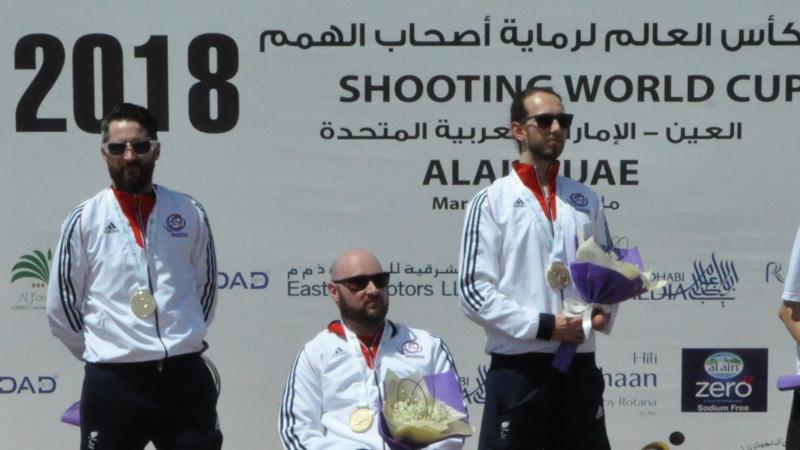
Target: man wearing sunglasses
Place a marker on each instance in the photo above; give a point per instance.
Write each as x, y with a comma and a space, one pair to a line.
132, 292
334, 391
520, 234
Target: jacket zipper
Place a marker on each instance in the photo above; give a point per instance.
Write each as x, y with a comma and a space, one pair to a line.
143, 233
549, 218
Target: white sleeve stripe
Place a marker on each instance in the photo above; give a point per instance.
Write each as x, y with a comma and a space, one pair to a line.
470, 252
287, 419
65, 287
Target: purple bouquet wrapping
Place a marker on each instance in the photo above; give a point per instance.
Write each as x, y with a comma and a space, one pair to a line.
788, 382
420, 410
72, 415
602, 278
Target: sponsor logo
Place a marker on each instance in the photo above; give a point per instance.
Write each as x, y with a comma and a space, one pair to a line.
41, 384
724, 380
252, 280
410, 347
578, 200
473, 389
519, 203
723, 365
631, 388
174, 224
35, 269
711, 280
773, 271
110, 228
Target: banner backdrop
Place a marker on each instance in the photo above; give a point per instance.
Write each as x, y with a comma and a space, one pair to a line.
307, 128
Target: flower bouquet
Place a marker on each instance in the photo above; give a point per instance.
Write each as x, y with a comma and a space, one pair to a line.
420, 410
602, 278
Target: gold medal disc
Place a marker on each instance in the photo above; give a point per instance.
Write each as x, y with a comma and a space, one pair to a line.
558, 276
360, 419
143, 304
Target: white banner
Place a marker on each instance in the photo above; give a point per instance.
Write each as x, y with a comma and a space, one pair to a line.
308, 128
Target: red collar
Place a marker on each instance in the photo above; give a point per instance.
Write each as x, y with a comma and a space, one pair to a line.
527, 173
369, 344
131, 204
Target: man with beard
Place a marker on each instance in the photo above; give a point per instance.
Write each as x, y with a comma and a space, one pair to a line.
333, 395
132, 292
520, 235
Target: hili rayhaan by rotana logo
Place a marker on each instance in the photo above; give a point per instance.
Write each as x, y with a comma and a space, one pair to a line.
33, 268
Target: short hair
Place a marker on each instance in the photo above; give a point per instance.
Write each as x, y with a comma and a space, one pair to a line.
134, 113
517, 106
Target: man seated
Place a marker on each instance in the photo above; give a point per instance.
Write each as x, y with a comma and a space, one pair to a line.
333, 395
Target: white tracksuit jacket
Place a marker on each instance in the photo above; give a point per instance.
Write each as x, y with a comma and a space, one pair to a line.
98, 266
504, 255
325, 383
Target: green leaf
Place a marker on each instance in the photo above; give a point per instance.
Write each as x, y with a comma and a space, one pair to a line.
41, 268
26, 265
25, 274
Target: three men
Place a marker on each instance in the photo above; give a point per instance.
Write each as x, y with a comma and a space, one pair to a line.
520, 235
333, 397
132, 292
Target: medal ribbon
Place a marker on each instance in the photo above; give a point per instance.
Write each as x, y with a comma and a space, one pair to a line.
367, 373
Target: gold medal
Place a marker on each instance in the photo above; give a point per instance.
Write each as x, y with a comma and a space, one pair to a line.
361, 419
558, 276
143, 304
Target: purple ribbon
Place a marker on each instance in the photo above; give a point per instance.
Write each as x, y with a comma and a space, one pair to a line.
445, 388
600, 285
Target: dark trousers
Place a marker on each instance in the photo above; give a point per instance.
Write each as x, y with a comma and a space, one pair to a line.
531, 406
171, 403
793, 432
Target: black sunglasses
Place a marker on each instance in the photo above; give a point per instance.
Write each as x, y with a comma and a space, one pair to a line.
360, 282
544, 121
140, 148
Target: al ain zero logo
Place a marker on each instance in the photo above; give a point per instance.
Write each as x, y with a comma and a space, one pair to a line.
35, 266
723, 365
724, 380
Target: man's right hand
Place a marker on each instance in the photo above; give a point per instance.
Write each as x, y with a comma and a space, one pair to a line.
568, 329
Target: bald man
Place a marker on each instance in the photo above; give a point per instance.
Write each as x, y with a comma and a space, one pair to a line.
333, 395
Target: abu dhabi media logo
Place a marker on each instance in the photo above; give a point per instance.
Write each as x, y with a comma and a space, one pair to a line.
711, 280
473, 389
724, 380
33, 272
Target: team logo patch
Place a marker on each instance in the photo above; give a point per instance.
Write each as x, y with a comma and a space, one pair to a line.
174, 224
578, 199
410, 348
